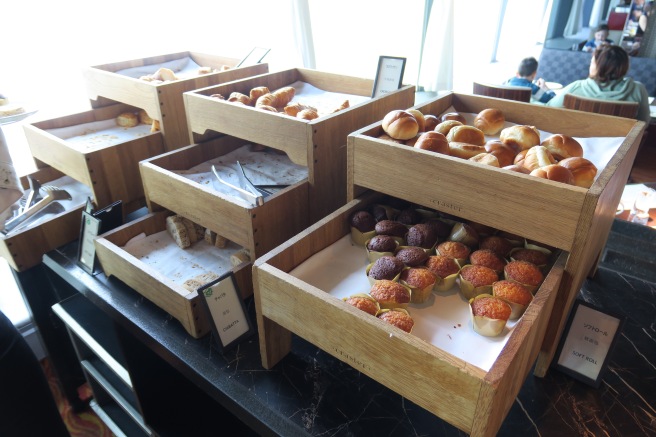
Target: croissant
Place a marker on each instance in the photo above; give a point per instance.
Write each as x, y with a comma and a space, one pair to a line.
283, 96
164, 74
258, 91
265, 100
217, 96
241, 98
295, 107
267, 108
345, 104
308, 114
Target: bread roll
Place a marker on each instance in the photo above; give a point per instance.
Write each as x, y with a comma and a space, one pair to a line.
520, 137
430, 121
420, 119
583, 171
466, 134
434, 142
178, 231
144, 118
127, 119
519, 158
485, 158
400, 125
538, 156
554, 172
504, 153
516, 168
454, 116
283, 96
445, 126
464, 150
412, 141
490, 121
562, 146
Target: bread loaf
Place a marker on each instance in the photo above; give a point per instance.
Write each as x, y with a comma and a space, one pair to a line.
400, 124
583, 170
465, 150
554, 172
520, 137
562, 146
434, 142
178, 231
536, 157
490, 121
466, 134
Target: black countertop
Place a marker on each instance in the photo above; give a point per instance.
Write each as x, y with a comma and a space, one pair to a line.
311, 393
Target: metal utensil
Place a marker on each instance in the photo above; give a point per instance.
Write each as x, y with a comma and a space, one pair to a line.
33, 195
247, 195
52, 194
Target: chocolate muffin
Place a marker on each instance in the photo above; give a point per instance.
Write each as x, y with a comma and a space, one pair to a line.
533, 256
487, 258
397, 317
441, 228
453, 249
392, 228
382, 243
363, 221
412, 256
409, 216
386, 267
496, 244
381, 213
421, 235
390, 294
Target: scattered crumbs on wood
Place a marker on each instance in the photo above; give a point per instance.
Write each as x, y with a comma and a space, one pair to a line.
459, 325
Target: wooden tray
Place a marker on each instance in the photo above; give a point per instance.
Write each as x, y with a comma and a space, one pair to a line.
164, 101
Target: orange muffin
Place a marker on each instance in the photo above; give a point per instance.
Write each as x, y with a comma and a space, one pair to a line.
496, 244
421, 282
490, 307
364, 302
479, 276
390, 294
512, 292
397, 317
454, 249
442, 266
487, 258
525, 273
385, 267
533, 256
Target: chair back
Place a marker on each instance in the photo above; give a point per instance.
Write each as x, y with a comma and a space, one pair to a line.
520, 94
598, 106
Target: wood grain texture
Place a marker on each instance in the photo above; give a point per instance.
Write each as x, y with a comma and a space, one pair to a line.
597, 106
521, 94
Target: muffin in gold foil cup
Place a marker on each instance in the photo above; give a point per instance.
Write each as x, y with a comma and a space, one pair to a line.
489, 314
420, 280
446, 270
390, 294
385, 267
515, 294
398, 317
363, 227
525, 273
380, 245
360, 238
475, 280
363, 302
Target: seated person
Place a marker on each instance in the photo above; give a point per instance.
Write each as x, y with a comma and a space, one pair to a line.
601, 38
608, 81
525, 77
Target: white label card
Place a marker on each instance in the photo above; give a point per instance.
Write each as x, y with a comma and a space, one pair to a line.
227, 311
91, 226
389, 76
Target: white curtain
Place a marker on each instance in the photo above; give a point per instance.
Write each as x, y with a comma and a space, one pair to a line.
303, 39
436, 72
575, 20
597, 15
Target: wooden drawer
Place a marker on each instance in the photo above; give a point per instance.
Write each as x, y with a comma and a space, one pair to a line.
257, 228
165, 292
571, 218
24, 248
319, 144
111, 171
162, 101
470, 397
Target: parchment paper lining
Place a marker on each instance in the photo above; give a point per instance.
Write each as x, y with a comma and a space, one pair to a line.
99, 134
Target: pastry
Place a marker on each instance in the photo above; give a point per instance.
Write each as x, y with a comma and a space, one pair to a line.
382, 243
466, 134
504, 153
144, 118
191, 230
283, 96
421, 235
408, 216
446, 270
391, 227
193, 284
344, 105
241, 98
481, 229
220, 241
445, 126
308, 114
454, 116
516, 295
295, 107
487, 258
383, 212
411, 256
205, 70
363, 221
397, 317
453, 249
385, 267
562, 146
433, 142
490, 121
476, 279
525, 273
390, 294
420, 281
127, 119
536, 157
583, 171
430, 121
240, 257
520, 137
534, 256
164, 74
554, 172
257, 92
489, 315
209, 237
441, 228
400, 125
155, 126
178, 231
363, 302
465, 150
486, 159
421, 122
496, 244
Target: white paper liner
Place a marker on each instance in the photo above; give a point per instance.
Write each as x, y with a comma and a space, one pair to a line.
183, 68
161, 253
78, 191
443, 320
324, 101
97, 135
262, 168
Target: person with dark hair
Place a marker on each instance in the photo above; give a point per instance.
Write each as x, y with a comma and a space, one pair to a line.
608, 81
525, 77
600, 38
27, 405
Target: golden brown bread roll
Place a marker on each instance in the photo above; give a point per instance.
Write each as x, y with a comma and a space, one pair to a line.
583, 170
400, 124
490, 121
430, 121
519, 158
464, 150
516, 168
562, 146
434, 142
144, 118
536, 157
520, 137
127, 119
454, 116
485, 158
554, 172
466, 134
420, 119
504, 153
257, 92
241, 98
445, 126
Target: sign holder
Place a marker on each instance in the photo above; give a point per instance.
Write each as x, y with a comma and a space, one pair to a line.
389, 76
95, 223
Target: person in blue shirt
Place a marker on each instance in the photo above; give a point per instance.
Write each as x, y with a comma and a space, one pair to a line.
601, 38
525, 77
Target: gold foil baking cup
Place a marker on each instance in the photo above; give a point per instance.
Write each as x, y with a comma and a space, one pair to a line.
532, 288
517, 310
364, 296
543, 267
445, 284
372, 280
396, 309
391, 305
419, 295
360, 238
468, 290
484, 325
373, 256
544, 250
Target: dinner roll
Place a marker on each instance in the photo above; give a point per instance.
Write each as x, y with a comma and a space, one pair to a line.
433, 141
466, 134
562, 146
485, 158
127, 119
583, 170
445, 126
520, 137
554, 172
464, 150
504, 153
400, 124
454, 116
420, 119
430, 121
490, 121
536, 157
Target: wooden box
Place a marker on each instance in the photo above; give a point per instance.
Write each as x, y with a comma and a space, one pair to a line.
24, 248
474, 399
571, 218
172, 297
319, 144
257, 228
111, 171
162, 101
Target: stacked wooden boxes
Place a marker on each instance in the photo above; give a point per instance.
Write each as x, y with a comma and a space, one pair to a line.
318, 145
572, 219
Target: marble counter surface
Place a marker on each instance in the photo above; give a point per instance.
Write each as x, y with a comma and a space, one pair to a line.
311, 393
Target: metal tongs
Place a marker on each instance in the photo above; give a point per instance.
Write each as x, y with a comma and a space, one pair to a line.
248, 190
52, 195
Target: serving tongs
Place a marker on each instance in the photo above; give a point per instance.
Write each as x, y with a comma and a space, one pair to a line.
52, 194
246, 192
